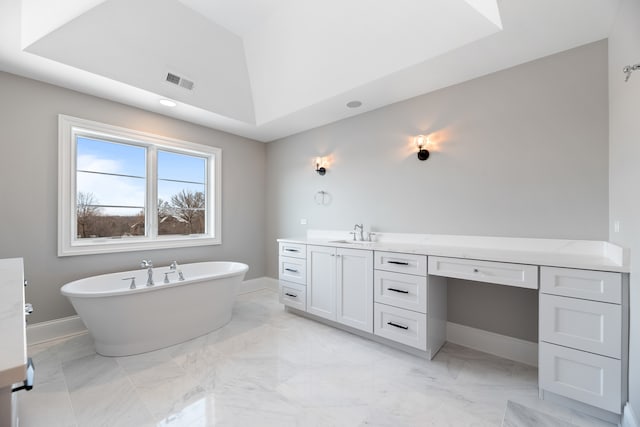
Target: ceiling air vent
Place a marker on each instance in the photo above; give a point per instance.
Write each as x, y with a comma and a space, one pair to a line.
179, 81
187, 84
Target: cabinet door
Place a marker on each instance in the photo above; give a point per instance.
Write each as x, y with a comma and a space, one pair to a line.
354, 288
321, 281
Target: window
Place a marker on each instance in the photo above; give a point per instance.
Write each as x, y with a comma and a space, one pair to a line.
124, 190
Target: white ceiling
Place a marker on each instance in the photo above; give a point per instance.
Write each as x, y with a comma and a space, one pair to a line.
266, 69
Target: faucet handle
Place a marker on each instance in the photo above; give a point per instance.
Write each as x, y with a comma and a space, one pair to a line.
166, 276
133, 282
173, 265
354, 234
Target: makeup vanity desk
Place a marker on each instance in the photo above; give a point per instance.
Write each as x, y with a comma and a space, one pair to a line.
393, 290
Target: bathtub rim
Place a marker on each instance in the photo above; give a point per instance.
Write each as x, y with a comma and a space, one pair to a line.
242, 268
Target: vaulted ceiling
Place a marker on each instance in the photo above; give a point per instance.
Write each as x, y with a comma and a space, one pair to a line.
266, 69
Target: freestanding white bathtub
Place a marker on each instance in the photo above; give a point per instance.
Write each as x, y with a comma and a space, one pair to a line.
127, 321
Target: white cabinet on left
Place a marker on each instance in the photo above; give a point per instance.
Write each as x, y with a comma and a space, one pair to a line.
340, 285
292, 266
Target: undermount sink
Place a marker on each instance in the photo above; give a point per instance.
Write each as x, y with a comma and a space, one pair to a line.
350, 242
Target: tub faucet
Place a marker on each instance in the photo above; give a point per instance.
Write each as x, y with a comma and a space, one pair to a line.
174, 266
148, 264
359, 227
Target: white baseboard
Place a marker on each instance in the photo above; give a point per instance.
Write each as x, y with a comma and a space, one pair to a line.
55, 329
257, 284
499, 345
629, 418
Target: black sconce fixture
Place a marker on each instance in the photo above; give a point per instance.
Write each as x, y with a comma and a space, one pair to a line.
320, 162
421, 141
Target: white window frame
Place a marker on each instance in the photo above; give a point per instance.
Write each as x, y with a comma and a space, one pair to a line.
68, 243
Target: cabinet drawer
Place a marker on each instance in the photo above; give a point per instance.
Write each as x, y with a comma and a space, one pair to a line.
295, 250
501, 273
586, 377
293, 270
403, 326
584, 325
401, 290
594, 285
293, 295
401, 263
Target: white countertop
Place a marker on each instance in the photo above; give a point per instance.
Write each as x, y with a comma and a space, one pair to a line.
13, 342
583, 254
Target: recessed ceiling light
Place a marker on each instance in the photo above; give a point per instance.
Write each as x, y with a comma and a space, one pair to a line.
354, 104
167, 103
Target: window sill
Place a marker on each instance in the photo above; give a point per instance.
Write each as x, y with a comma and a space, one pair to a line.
105, 246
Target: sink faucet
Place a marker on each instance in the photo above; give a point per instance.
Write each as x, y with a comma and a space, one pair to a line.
359, 227
148, 264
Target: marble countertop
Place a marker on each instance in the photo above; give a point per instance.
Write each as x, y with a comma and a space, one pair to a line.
583, 254
13, 356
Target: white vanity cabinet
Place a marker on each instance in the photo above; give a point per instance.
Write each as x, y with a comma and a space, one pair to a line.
583, 336
340, 285
400, 309
410, 307
292, 275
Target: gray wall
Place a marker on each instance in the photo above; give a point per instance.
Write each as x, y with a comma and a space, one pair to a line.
522, 152
28, 172
624, 140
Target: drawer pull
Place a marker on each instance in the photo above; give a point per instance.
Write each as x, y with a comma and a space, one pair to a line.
292, 270
397, 325
291, 250
475, 270
291, 295
398, 290
398, 262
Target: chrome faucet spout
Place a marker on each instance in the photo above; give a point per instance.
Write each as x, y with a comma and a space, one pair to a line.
148, 264
175, 267
360, 229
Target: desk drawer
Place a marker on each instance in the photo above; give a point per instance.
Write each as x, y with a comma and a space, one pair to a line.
295, 250
584, 325
586, 377
401, 263
602, 286
293, 270
403, 326
293, 295
401, 290
501, 273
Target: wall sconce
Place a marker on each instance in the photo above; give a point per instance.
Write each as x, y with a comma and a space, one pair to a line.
421, 141
320, 168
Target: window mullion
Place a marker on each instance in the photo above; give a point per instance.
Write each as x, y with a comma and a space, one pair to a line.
152, 192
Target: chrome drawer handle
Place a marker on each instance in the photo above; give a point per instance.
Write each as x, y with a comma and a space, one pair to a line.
398, 262
398, 325
291, 295
291, 270
398, 290
291, 250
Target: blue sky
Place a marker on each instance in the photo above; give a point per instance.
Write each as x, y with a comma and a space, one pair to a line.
122, 159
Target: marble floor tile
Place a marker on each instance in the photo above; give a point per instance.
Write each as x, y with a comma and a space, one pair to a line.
269, 367
520, 416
